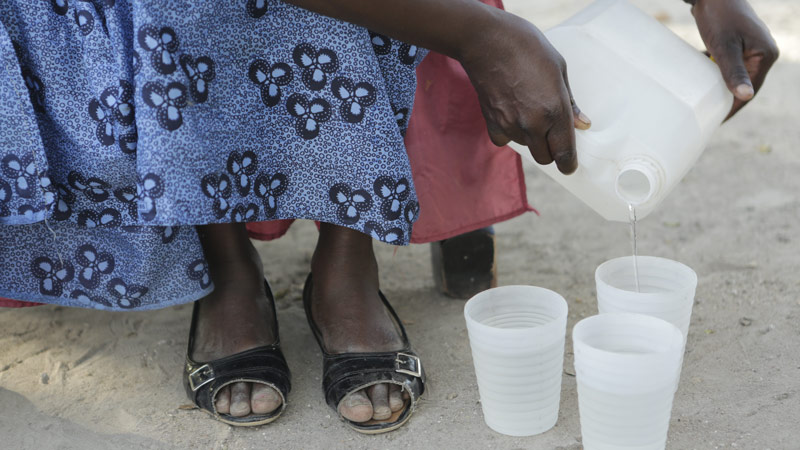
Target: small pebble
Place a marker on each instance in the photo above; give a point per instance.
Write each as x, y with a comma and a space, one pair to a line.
745, 321
783, 396
282, 293
45, 378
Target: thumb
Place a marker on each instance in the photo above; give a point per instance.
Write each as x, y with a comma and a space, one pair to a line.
581, 120
730, 58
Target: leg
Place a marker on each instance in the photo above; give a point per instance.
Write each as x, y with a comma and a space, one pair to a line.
350, 315
236, 316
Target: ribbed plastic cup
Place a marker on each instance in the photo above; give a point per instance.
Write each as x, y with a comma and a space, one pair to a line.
517, 338
626, 368
667, 289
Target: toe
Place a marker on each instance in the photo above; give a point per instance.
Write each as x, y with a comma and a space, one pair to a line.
240, 399
264, 399
224, 400
395, 398
379, 394
356, 407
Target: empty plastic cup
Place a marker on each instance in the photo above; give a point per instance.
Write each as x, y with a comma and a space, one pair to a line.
517, 338
666, 288
626, 368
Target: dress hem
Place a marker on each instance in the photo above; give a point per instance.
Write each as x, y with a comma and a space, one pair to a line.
271, 236
42, 299
525, 207
474, 226
24, 220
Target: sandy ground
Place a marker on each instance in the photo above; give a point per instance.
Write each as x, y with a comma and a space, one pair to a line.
77, 379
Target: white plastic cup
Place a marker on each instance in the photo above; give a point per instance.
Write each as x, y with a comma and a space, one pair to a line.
626, 368
666, 287
517, 338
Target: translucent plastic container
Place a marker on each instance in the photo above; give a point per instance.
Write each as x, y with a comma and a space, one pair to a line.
666, 288
653, 99
626, 368
517, 338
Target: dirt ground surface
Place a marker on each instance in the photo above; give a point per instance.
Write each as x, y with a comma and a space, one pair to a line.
80, 379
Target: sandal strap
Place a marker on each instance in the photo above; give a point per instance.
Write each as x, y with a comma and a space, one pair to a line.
264, 364
344, 373
349, 372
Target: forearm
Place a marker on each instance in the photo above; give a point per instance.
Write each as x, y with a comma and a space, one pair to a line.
445, 26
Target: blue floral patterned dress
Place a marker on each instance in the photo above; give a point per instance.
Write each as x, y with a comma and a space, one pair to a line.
123, 123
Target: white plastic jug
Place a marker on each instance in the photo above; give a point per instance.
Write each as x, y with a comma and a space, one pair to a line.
654, 102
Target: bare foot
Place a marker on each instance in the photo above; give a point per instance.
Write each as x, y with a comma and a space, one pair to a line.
351, 316
235, 317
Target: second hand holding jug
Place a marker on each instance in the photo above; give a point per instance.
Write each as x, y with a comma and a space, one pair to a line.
654, 102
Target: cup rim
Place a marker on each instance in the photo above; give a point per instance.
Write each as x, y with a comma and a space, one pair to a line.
602, 268
579, 341
477, 299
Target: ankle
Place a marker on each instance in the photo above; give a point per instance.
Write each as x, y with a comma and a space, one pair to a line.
236, 270
342, 246
243, 267
229, 252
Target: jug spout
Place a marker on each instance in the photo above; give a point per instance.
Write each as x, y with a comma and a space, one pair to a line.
639, 180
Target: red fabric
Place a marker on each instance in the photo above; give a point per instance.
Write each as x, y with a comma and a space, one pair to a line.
8, 303
463, 181
267, 231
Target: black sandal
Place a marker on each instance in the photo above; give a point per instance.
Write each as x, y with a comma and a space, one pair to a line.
345, 373
265, 365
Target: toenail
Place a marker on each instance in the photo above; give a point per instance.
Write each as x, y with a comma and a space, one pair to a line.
352, 401
235, 410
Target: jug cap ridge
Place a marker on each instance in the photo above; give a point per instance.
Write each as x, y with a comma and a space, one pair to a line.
638, 180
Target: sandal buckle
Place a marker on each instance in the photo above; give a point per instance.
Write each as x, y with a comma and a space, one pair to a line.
408, 364
200, 377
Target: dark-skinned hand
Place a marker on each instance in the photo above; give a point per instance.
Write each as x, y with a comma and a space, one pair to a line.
739, 42
522, 81
520, 78
524, 93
